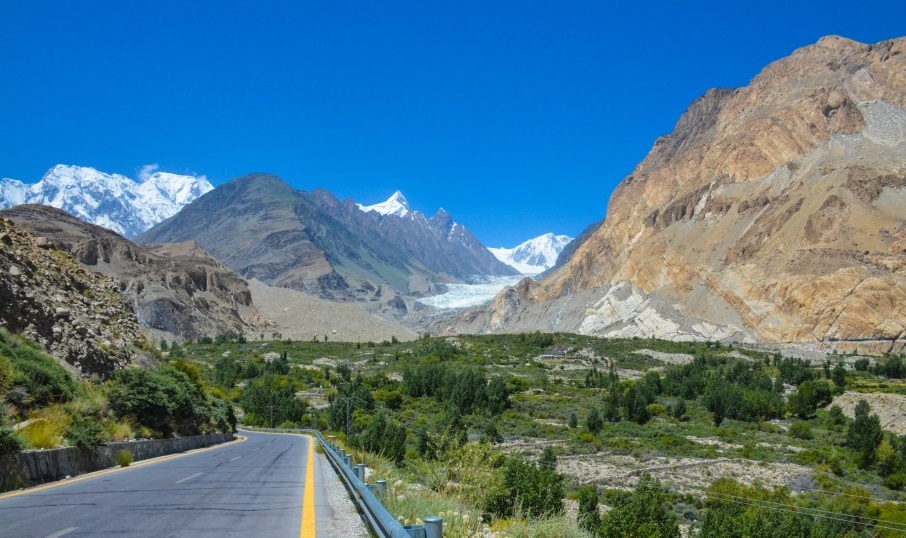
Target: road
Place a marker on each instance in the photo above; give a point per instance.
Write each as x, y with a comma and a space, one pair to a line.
267, 486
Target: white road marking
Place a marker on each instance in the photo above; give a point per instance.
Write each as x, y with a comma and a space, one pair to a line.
186, 479
236, 458
65, 531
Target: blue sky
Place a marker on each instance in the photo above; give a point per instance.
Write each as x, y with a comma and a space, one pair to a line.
517, 117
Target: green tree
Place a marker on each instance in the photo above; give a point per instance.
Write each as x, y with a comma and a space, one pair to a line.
864, 435
385, 437
594, 422
809, 397
645, 514
888, 458
679, 409
270, 401
548, 459
839, 375
589, 518
573, 420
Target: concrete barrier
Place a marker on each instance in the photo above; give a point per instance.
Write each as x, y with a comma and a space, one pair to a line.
25, 469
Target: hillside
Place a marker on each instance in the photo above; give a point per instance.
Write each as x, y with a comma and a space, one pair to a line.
176, 289
775, 213
75, 315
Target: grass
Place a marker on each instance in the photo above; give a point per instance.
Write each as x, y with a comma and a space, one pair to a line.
124, 458
46, 428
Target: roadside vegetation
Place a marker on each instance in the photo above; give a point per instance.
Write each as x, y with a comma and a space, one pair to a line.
43, 406
655, 435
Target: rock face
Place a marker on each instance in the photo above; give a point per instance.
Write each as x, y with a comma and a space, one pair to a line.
76, 315
774, 212
312, 242
176, 289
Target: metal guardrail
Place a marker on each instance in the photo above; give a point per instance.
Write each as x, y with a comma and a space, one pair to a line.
382, 523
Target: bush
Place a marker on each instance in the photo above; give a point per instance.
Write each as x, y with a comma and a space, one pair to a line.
895, 481
861, 364
45, 381
534, 490
9, 442
165, 400
124, 458
645, 513
84, 432
801, 430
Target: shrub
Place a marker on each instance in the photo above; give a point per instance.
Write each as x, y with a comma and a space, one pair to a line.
801, 430
45, 381
9, 442
645, 513
124, 458
588, 517
895, 481
594, 422
534, 490
84, 432
861, 364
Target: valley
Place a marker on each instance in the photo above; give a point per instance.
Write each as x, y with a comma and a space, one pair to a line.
722, 354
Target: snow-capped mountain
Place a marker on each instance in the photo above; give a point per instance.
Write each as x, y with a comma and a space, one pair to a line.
113, 201
395, 205
535, 255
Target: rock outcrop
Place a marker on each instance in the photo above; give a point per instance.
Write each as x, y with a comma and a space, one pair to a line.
74, 314
774, 212
177, 289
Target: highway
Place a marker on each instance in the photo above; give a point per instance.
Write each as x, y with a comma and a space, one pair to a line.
266, 486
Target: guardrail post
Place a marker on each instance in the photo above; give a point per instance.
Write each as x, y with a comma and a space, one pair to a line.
347, 460
434, 527
360, 471
415, 531
380, 488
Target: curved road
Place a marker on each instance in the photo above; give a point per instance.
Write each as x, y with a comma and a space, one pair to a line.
267, 486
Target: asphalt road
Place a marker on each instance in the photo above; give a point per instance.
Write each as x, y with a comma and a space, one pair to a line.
254, 488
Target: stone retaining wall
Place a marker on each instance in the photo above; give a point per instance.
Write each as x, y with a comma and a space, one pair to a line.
24, 469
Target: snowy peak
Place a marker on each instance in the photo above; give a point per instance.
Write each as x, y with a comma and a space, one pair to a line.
535, 255
395, 205
110, 200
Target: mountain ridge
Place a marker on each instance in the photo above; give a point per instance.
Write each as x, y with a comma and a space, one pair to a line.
113, 201
533, 256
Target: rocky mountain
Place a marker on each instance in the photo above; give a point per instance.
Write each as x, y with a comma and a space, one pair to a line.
109, 200
76, 315
177, 289
535, 255
775, 212
310, 241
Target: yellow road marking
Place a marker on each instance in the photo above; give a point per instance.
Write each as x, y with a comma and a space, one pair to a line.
89, 476
308, 501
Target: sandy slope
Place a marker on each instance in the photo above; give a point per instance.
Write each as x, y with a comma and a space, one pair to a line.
301, 317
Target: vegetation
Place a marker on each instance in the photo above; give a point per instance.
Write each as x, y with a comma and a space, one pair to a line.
50, 408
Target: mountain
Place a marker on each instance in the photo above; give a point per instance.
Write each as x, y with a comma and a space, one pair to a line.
772, 213
396, 205
535, 255
263, 228
74, 314
443, 245
176, 289
109, 200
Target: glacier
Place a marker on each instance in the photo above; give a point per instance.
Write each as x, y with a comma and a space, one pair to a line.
471, 294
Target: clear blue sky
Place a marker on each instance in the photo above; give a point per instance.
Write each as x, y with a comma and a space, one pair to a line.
517, 117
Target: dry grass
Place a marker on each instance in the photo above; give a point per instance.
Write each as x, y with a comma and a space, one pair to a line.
46, 427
